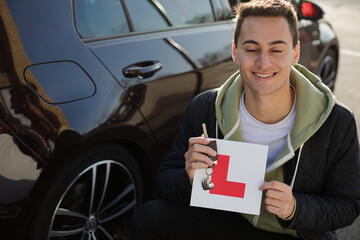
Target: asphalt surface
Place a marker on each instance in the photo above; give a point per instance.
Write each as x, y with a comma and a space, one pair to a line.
344, 15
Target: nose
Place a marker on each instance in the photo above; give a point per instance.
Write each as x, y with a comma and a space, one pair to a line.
263, 60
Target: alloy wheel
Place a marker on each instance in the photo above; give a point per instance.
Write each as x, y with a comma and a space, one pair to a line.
96, 205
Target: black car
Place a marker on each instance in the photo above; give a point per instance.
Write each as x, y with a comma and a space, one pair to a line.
91, 95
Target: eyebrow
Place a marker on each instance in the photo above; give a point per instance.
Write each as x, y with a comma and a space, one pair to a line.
272, 43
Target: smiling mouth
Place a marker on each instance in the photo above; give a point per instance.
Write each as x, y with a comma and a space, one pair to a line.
264, 75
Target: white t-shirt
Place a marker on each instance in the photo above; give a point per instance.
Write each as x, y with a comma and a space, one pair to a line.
273, 135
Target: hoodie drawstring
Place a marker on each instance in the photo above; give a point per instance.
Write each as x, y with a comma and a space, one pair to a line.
297, 165
226, 137
216, 130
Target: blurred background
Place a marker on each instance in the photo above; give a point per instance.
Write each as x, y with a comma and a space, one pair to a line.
344, 15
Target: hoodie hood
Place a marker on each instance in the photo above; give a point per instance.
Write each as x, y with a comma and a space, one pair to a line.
314, 102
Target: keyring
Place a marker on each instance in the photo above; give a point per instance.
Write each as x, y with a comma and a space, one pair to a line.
206, 171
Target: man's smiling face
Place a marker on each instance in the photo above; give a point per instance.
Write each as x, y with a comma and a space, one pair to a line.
265, 54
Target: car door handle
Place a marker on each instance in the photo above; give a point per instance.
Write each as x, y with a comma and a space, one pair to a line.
142, 70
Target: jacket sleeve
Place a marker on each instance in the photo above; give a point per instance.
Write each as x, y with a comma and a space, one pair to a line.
338, 203
172, 181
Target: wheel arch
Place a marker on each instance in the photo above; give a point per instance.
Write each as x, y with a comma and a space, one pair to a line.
134, 140
334, 47
131, 138
328, 39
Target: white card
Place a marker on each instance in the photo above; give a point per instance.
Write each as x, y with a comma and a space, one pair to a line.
236, 184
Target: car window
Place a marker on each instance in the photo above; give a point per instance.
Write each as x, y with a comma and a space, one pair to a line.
187, 12
222, 9
145, 15
98, 18
160, 14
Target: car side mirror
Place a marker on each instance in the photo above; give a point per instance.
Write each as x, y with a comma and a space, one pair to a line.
311, 11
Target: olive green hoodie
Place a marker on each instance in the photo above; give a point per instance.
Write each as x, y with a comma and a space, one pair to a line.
314, 101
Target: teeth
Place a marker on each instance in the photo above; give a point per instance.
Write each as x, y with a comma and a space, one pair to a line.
263, 76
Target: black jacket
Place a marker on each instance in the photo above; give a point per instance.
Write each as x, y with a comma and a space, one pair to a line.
327, 186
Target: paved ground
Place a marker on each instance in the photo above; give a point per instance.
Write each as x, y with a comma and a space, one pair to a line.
344, 16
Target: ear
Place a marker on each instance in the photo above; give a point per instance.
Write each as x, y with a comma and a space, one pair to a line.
297, 54
234, 53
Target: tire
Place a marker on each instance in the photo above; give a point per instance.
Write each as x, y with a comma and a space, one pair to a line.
92, 198
327, 69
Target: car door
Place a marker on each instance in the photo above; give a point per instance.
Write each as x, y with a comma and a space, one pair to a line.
162, 52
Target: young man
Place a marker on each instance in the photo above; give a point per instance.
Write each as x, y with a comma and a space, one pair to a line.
312, 177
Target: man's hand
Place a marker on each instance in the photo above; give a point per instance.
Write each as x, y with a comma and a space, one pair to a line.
279, 198
196, 156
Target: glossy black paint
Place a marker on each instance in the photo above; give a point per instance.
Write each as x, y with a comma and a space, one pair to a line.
95, 103
61, 95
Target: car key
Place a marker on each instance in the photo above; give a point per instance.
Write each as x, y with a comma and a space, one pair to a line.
206, 183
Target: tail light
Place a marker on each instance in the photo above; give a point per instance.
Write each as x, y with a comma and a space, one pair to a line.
311, 11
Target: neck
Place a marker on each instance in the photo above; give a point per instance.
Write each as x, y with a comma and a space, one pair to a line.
272, 108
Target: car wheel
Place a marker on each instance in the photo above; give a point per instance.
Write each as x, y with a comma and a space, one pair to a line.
327, 69
93, 197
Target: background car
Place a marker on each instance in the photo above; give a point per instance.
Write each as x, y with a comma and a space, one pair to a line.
91, 96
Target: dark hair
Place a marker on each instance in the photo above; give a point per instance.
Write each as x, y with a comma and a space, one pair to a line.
267, 8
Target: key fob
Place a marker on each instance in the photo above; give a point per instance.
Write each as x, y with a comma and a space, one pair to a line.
213, 145
206, 184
